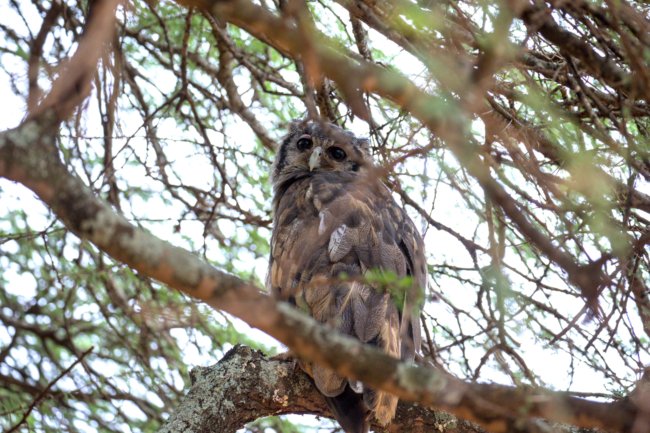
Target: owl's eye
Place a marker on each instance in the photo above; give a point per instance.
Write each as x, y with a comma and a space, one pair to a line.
336, 153
304, 143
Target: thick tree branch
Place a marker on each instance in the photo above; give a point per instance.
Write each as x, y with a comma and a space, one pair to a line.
245, 385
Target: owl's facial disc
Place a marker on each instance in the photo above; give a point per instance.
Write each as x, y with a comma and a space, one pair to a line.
313, 147
314, 158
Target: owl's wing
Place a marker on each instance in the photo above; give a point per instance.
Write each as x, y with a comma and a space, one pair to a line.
366, 229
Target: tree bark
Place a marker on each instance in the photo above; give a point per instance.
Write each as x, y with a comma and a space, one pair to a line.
246, 385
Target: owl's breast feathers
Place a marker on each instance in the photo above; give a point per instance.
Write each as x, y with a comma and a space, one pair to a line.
329, 229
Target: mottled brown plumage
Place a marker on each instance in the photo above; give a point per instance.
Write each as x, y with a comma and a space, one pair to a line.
335, 220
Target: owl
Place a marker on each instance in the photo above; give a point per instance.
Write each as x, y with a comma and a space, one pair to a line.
336, 225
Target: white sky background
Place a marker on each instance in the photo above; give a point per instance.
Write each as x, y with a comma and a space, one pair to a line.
553, 366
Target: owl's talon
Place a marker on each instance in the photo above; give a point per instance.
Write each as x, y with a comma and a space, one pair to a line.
284, 357
287, 356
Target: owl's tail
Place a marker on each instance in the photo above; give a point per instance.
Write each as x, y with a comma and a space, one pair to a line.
382, 403
350, 411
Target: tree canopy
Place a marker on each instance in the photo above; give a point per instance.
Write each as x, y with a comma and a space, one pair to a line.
514, 132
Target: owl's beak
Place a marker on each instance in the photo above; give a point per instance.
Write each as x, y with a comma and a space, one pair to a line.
314, 159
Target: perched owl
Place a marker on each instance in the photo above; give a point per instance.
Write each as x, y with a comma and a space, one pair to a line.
334, 220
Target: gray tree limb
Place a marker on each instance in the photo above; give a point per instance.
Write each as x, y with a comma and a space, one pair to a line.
246, 385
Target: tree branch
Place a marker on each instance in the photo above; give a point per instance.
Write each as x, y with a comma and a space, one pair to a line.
539, 19
46, 391
245, 385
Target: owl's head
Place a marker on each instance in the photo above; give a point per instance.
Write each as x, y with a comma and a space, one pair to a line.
315, 147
